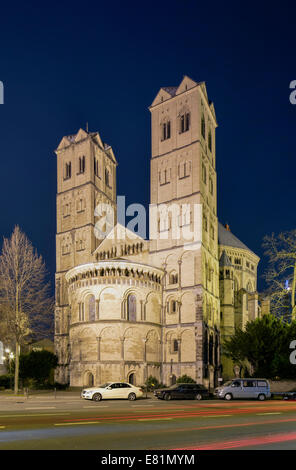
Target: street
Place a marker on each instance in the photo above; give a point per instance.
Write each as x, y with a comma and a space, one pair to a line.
66, 422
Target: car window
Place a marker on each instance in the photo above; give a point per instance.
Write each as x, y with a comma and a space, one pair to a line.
124, 385
227, 383
237, 383
261, 383
249, 383
115, 385
104, 385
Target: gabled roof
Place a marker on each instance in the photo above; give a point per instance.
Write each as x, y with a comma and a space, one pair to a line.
224, 260
226, 238
167, 92
82, 134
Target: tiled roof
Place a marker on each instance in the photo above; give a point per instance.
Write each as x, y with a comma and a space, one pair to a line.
226, 237
170, 89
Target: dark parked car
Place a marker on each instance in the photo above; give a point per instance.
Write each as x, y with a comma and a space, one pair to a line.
290, 396
183, 392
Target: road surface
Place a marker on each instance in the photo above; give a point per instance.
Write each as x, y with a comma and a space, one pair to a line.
70, 423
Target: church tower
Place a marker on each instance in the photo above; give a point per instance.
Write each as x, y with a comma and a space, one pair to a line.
183, 175
86, 177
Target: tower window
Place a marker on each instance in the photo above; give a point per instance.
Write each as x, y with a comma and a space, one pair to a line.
81, 164
210, 141
96, 166
184, 169
184, 122
107, 178
165, 176
166, 130
68, 170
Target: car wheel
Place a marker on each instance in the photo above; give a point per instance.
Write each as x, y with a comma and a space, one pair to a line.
97, 397
261, 397
132, 397
228, 396
198, 396
167, 396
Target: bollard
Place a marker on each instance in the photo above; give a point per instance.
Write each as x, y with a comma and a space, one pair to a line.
55, 393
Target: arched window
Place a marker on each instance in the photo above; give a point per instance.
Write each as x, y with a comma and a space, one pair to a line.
173, 306
184, 122
91, 304
132, 308
210, 141
67, 171
82, 164
175, 345
173, 278
166, 130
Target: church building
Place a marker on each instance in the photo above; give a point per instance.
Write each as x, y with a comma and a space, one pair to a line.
128, 307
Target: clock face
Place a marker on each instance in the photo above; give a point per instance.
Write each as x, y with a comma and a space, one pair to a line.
105, 224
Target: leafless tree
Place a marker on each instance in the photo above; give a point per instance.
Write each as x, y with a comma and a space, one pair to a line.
26, 307
281, 273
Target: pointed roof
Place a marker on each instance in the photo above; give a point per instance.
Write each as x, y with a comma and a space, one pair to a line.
226, 238
224, 260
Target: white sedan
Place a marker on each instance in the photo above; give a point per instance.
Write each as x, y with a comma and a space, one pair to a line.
112, 390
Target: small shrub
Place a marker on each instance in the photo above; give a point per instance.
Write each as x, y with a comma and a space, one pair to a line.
185, 379
152, 383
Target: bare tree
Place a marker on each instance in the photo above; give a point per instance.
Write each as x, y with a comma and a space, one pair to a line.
26, 307
281, 274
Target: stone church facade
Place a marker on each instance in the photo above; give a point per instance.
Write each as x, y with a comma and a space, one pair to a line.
126, 307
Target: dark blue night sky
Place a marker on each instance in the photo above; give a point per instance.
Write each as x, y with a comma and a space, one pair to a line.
65, 64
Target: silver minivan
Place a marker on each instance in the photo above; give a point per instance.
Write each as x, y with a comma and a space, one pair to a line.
244, 388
